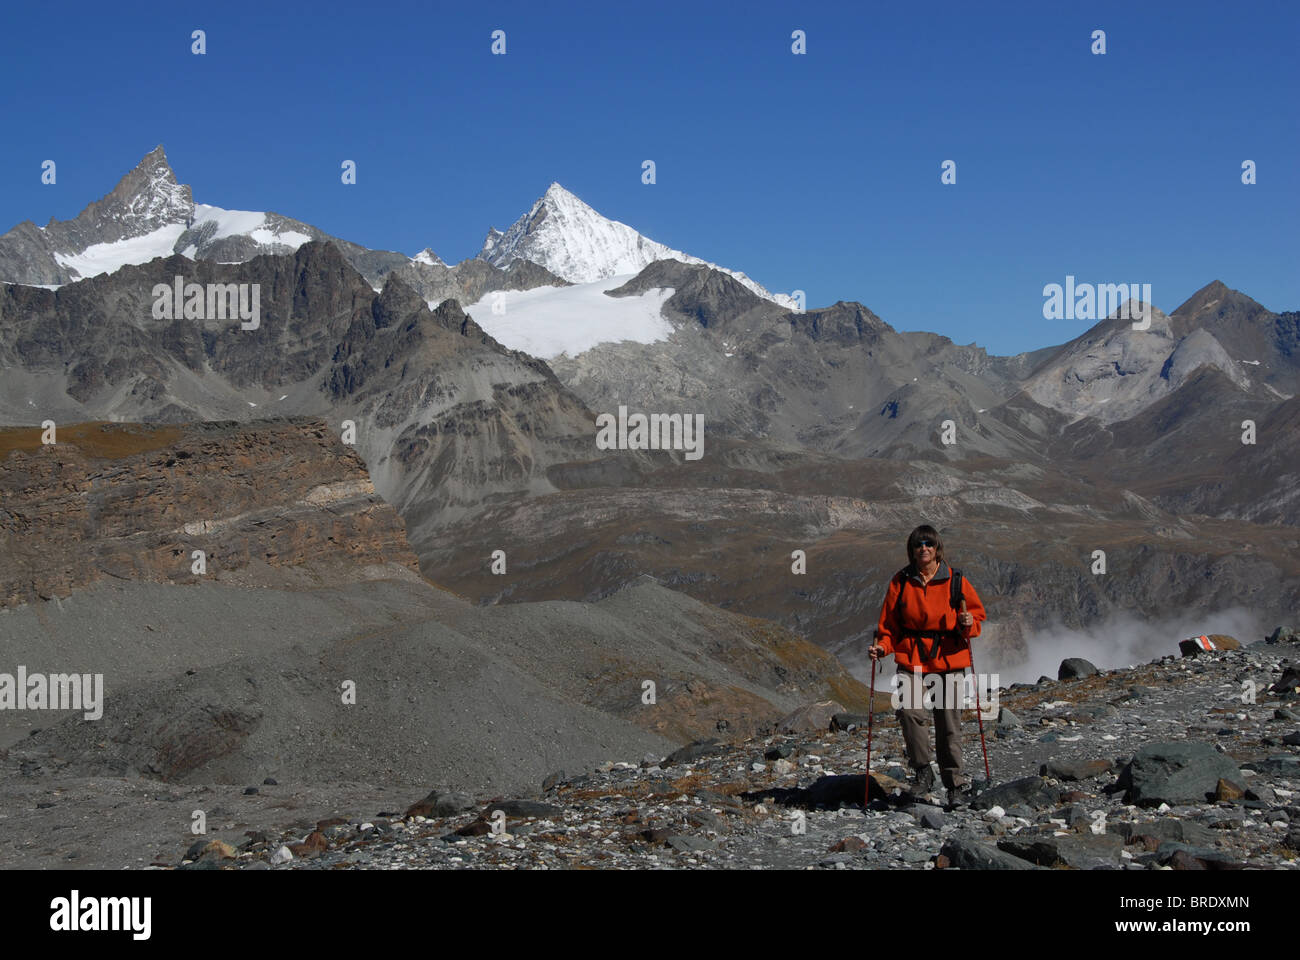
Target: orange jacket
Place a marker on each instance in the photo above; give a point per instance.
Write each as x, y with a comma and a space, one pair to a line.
911, 607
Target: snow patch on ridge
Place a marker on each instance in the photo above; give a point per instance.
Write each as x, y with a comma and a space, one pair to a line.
108, 257
549, 321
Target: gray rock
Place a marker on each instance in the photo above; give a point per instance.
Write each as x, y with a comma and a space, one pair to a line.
1284, 635
931, 818
684, 843
1008, 719
1169, 850
1080, 851
834, 791
1284, 765
525, 808
1075, 668
1181, 831
848, 721
441, 803
966, 853
1175, 772
694, 750
1030, 791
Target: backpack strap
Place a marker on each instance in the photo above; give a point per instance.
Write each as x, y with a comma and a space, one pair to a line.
935, 637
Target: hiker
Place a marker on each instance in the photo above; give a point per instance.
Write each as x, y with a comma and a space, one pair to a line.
926, 632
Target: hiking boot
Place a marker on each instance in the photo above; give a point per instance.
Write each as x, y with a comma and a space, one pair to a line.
923, 783
960, 796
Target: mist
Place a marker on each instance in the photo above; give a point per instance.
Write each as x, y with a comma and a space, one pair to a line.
1120, 641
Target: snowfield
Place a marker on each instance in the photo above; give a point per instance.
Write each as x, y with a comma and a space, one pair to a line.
107, 257
549, 321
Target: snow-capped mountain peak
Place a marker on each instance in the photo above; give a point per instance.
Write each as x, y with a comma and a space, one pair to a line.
572, 240
145, 199
147, 215
427, 256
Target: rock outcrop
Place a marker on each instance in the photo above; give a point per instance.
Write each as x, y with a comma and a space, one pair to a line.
134, 502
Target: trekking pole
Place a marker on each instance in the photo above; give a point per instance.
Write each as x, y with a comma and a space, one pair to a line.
979, 712
871, 716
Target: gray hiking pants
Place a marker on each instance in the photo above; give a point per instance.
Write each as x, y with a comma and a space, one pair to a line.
947, 736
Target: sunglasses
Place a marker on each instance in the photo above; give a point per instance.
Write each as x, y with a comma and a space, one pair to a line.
925, 543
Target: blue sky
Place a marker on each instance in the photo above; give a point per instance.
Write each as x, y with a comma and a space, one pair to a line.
818, 172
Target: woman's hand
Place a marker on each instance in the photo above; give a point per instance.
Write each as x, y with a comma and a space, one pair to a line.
876, 651
964, 618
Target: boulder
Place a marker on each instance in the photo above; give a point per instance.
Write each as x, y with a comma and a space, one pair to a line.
525, 809
1181, 831
931, 818
810, 718
1032, 791
1289, 682
1284, 765
694, 750
1075, 668
1175, 772
1283, 635
966, 853
439, 803
849, 721
1080, 851
684, 843
1182, 856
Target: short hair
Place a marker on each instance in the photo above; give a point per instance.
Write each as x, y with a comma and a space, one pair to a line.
924, 532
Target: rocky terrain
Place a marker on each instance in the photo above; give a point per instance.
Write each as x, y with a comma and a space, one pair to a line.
1159, 767
418, 571
134, 502
310, 650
